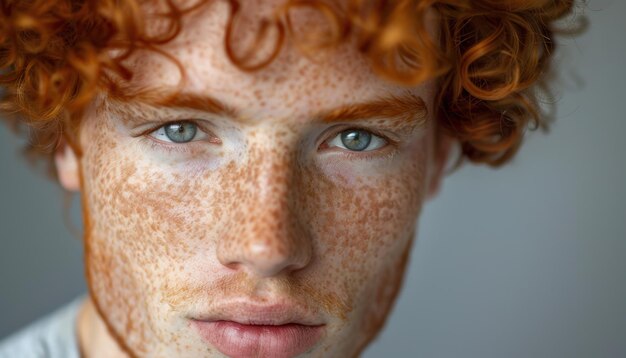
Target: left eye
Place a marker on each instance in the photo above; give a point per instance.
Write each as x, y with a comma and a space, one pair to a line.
357, 140
178, 132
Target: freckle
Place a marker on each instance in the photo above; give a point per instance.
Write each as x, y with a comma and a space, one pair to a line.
257, 94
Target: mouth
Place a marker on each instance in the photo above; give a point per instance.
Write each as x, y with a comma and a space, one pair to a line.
277, 331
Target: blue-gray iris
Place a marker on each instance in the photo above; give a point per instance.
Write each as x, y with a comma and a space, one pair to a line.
180, 132
356, 139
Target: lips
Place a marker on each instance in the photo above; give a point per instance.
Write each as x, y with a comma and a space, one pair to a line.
246, 330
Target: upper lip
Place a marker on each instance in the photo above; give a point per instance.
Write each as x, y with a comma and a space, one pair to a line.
268, 314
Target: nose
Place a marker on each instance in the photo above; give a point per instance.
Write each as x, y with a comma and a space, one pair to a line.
268, 235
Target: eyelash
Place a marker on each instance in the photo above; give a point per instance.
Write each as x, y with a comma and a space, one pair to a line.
390, 147
184, 148
352, 155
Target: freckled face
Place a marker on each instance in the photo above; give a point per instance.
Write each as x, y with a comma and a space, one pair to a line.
268, 207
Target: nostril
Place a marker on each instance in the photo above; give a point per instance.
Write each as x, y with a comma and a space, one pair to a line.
233, 265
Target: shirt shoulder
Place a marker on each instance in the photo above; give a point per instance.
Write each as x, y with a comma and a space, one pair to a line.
53, 336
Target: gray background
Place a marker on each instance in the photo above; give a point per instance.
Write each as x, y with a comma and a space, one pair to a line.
526, 261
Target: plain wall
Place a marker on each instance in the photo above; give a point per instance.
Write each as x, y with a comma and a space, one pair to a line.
524, 261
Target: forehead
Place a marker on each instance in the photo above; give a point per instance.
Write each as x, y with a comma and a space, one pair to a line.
293, 84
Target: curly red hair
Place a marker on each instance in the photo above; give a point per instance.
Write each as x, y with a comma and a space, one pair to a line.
491, 58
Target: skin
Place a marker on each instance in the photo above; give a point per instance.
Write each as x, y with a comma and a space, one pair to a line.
261, 208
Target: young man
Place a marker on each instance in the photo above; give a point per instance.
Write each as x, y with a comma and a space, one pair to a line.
251, 173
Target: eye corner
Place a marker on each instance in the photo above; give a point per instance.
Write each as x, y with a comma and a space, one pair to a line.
323, 145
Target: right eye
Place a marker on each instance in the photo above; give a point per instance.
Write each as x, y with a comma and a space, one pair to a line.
179, 132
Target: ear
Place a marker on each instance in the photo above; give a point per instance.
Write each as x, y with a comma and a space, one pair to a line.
67, 167
441, 153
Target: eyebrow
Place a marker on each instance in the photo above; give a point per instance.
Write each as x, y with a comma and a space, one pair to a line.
406, 106
189, 100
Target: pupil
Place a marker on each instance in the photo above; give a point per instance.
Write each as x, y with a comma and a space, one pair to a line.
356, 139
182, 132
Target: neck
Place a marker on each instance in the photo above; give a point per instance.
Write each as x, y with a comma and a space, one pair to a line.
94, 338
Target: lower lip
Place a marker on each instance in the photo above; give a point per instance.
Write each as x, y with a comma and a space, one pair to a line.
241, 340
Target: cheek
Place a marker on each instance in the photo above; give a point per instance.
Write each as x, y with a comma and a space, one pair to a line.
367, 210
141, 224
153, 215
365, 226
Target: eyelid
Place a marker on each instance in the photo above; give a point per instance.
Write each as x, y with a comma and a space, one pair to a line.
212, 138
335, 131
375, 141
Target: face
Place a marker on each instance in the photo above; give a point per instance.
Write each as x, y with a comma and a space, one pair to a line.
273, 221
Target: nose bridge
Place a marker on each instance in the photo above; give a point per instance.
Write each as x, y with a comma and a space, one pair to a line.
272, 237
273, 182
272, 221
